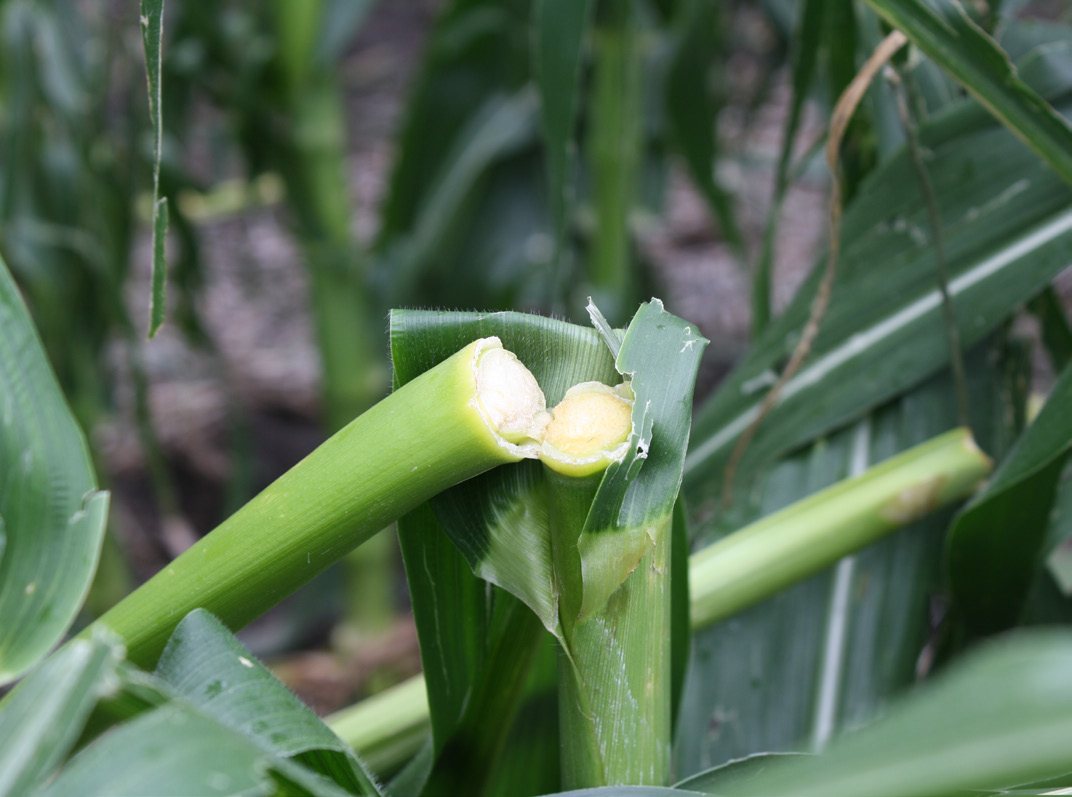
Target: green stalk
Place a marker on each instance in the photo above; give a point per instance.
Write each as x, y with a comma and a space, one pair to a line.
787, 546
814, 533
614, 679
312, 164
348, 328
615, 140
388, 728
468, 414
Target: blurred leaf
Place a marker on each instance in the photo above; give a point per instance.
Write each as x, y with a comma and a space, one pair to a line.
478, 50
998, 718
628, 791
1056, 331
152, 29
1007, 232
340, 21
176, 750
502, 125
948, 36
211, 669
560, 29
53, 517
692, 108
805, 57
42, 717
995, 543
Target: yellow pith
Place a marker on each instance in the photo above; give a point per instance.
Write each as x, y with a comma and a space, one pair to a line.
589, 422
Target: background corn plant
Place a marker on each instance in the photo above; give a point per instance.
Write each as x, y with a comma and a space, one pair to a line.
538, 142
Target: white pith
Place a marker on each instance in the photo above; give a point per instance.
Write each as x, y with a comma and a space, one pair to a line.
508, 396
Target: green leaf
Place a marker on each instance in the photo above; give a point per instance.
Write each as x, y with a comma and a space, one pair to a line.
660, 355
152, 31
998, 718
560, 27
42, 717
732, 773
1056, 331
995, 542
176, 750
627, 791
52, 515
477, 52
828, 654
949, 37
1007, 231
692, 108
806, 45
211, 670
500, 126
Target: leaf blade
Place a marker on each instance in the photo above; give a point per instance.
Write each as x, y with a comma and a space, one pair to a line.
152, 28
963, 49
211, 670
1007, 234
995, 542
53, 516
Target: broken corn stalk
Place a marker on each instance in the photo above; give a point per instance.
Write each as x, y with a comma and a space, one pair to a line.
787, 546
477, 409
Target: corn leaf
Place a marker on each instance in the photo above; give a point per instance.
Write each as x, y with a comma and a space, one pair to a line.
51, 512
1056, 331
42, 717
152, 29
804, 65
996, 719
995, 543
1007, 231
734, 772
210, 669
660, 354
827, 654
948, 36
174, 749
628, 791
692, 107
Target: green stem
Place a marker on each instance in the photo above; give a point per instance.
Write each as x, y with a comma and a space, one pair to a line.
787, 546
389, 727
615, 142
348, 330
614, 681
429, 435
312, 164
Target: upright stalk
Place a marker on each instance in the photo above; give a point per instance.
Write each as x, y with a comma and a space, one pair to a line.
615, 141
348, 328
471, 412
614, 674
